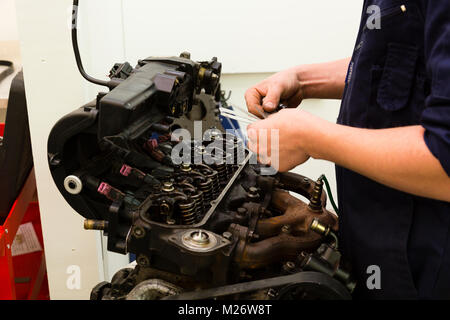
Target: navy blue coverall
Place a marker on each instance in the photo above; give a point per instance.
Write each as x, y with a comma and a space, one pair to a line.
399, 75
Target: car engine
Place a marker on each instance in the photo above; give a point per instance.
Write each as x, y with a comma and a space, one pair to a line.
209, 223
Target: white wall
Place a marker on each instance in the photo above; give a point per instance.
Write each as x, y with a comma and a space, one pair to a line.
54, 88
250, 37
8, 27
247, 36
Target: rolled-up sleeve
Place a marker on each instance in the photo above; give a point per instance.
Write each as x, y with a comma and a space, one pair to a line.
436, 116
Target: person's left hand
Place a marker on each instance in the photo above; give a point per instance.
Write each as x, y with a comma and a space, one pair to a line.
292, 126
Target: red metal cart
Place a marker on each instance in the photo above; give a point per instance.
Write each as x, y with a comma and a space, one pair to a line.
24, 276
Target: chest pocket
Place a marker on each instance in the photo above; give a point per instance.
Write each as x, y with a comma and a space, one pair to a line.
398, 89
394, 55
397, 77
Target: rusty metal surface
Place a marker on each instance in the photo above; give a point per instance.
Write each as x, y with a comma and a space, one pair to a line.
284, 236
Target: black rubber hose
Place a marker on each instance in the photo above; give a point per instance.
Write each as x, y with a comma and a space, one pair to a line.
77, 51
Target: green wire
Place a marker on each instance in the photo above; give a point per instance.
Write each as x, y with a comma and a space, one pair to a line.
330, 195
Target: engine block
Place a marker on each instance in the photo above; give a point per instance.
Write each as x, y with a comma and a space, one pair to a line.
201, 216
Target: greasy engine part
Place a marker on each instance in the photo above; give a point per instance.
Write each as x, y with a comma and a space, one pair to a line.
197, 224
202, 218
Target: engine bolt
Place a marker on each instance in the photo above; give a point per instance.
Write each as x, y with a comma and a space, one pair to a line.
227, 235
253, 193
319, 228
253, 235
215, 134
186, 167
201, 150
286, 229
271, 293
143, 261
138, 232
185, 55
168, 186
315, 203
90, 224
164, 208
289, 266
242, 212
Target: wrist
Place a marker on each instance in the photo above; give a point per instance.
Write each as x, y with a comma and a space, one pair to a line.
304, 75
316, 136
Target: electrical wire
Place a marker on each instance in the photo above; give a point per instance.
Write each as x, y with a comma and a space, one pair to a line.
330, 194
77, 51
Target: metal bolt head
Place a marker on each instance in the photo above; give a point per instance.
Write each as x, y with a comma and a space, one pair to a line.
185, 167
271, 293
253, 235
253, 190
138, 232
164, 208
168, 186
253, 193
290, 265
322, 249
242, 211
143, 260
185, 55
286, 229
227, 235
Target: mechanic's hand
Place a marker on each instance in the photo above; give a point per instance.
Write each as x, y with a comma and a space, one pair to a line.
293, 127
283, 86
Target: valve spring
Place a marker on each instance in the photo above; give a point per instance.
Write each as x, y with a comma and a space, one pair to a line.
230, 170
221, 169
207, 189
214, 176
188, 213
199, 209
231, 161
216, 184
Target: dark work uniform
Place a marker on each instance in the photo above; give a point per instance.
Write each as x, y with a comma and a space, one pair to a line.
399, 76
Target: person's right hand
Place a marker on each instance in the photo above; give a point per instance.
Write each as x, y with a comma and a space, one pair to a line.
283, 87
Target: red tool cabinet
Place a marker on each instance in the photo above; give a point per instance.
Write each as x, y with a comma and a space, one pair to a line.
22, 277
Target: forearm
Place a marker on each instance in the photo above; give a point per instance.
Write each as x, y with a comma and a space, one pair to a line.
323, 80
397, 157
